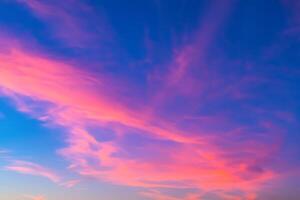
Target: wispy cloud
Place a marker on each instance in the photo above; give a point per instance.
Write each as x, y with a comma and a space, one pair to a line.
76, 25
91, 105
30, 168
193, 54
188, 159
70, 183
141, 146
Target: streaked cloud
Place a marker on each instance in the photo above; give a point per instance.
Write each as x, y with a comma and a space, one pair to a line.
59, 17
30, 168
195, 121
191, 160
34, 169
70, 183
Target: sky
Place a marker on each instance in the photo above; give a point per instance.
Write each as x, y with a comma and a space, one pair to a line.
149, 100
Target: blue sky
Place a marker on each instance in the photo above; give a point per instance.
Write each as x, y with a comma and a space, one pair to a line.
153, 99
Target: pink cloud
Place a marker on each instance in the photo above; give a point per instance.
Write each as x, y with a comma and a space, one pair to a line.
30, 168
34, 169
196, 50
154, 194
28, 75
189, 69
78, 99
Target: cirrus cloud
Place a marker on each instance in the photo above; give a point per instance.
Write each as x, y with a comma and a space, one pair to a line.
190, 160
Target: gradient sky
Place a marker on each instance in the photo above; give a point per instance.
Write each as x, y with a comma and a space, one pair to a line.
149, 100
